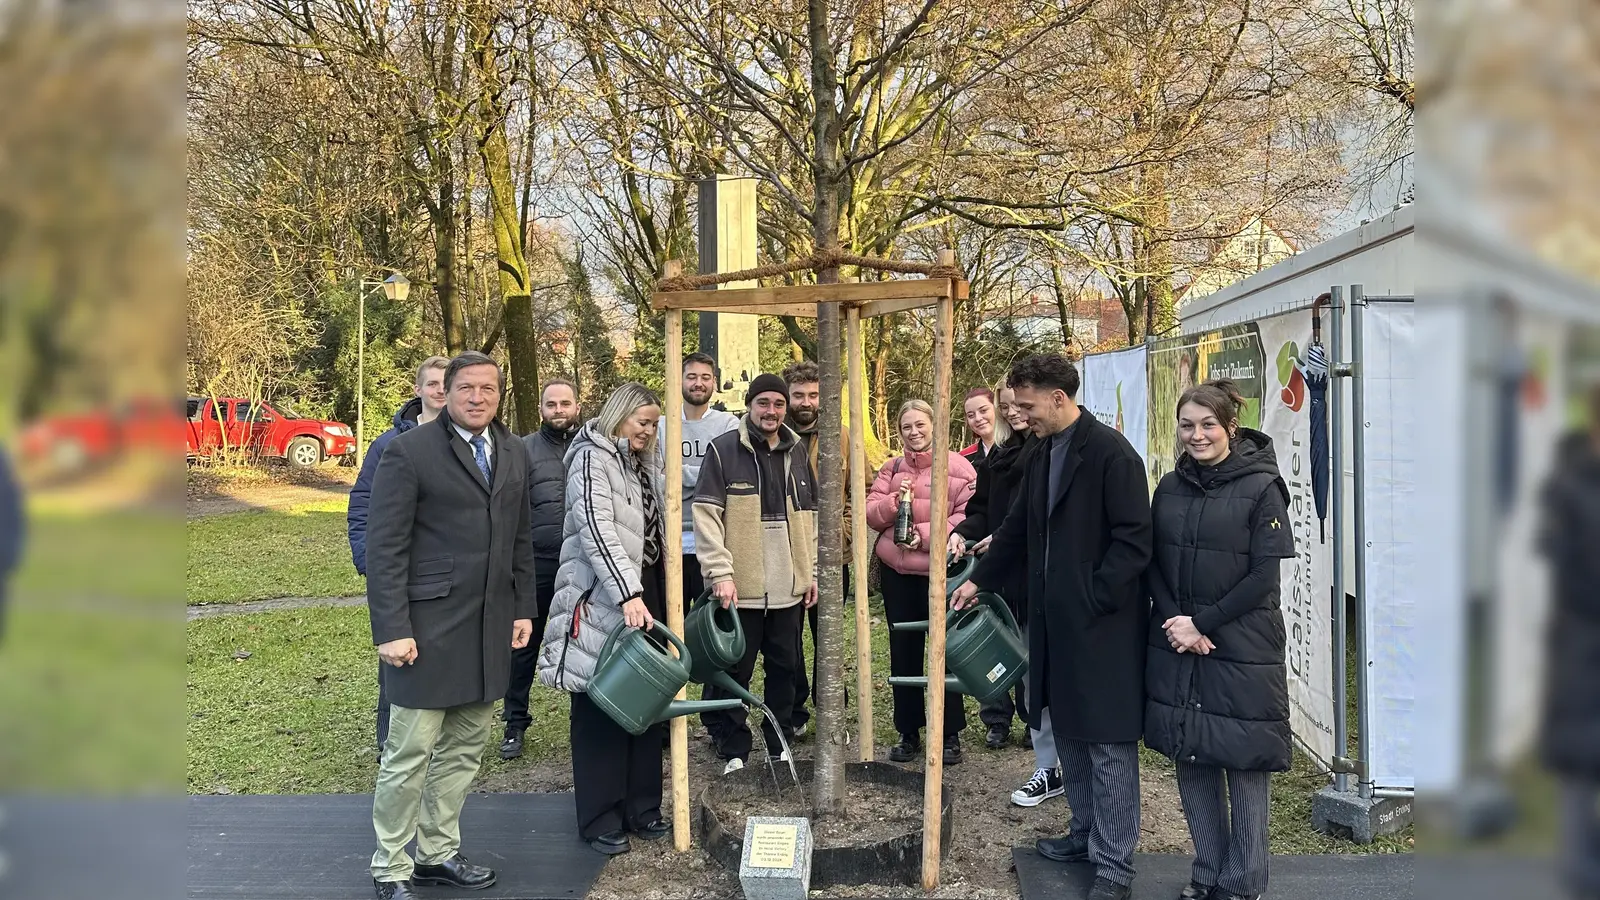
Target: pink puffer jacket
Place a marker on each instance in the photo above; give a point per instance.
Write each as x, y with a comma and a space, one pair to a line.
884, 499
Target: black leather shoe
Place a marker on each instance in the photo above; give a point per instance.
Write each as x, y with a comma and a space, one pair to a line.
999, 736
1027, 738
1072, 848
511, 744
394, 890
1109, 890
952, 750
1196, 891
1220, 894
455, 872
654, 830
611, 843
909, 748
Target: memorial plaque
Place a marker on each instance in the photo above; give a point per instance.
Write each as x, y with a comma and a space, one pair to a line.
776, 862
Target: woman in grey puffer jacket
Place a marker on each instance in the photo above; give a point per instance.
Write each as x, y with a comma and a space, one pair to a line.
611, 572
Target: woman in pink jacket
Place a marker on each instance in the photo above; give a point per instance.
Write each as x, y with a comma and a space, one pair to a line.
905, 570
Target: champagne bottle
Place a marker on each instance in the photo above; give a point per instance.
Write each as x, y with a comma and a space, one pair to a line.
902, 517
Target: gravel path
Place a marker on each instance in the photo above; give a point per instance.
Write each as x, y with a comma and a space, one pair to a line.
254, 606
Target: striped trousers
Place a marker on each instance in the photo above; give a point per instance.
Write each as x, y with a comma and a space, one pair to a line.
1227, 812
1102, 786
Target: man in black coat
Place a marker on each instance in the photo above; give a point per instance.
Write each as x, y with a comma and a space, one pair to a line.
450, 587
560, 417
1080, 524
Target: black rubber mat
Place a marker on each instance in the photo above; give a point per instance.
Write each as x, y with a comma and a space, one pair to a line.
319, 846
1162, 875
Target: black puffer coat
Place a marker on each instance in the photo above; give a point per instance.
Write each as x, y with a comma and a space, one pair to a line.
547, 494
999, 475
1219, 533
1569, 739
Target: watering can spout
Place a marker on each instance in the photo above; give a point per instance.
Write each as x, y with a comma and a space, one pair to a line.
695, 707
951, 682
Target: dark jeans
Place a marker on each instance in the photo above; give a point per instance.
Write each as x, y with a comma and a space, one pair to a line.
905, 599
525, 661
807, 689
775, 634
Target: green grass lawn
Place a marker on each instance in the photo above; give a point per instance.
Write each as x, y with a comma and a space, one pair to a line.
303, 551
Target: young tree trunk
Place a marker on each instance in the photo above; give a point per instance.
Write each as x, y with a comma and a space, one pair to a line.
828, 790
494, 151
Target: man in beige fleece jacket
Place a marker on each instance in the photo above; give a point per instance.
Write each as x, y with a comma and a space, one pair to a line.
755, 526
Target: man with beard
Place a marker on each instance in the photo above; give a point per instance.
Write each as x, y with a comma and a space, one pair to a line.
755, 520
419, 410
547, 484
701, 424
804, 417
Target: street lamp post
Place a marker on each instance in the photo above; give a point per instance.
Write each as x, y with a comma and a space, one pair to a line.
396, 288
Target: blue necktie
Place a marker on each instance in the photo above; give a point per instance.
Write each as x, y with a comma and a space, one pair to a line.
480, 454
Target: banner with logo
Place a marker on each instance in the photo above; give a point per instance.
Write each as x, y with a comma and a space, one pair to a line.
1266, 359
1114, 389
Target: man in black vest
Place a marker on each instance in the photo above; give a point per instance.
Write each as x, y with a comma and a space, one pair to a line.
1081, 527
450, 588
547, 503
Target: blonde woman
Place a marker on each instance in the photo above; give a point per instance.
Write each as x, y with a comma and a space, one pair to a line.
905, 570
611, 573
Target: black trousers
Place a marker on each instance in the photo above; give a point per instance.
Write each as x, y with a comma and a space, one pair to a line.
616, 776
524, 662
694, 583
383, 708
807, 689
775, 634
905, 599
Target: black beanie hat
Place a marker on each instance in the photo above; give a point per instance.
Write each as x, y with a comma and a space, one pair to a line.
765, 382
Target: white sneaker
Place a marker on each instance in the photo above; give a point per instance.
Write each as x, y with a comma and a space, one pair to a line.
1044, 784
781, 757
733, 765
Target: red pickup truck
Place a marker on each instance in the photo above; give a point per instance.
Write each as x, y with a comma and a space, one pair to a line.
266, 431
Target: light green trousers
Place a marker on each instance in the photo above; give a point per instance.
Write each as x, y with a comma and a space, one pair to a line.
429, 762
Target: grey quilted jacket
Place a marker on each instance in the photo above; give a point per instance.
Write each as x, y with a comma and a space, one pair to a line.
602, 548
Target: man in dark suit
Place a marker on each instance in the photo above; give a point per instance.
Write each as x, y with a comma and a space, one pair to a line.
1080, 523
450, 586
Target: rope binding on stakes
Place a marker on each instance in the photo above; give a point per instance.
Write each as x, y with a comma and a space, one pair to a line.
829, 258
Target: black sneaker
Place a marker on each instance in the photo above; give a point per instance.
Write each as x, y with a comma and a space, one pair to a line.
1196, 891
998, 737
1105, 889
1044, 784
511, 744
909, 748
952, 750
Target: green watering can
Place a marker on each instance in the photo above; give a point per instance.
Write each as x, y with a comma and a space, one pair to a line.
715, 639
984, 652
636, 679
956, 573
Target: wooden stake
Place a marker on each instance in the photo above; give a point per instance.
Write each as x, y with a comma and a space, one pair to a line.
672, 554
932, 799
858, 532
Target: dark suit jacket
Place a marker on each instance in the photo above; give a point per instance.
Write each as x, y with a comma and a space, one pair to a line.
1085, 551
449, 563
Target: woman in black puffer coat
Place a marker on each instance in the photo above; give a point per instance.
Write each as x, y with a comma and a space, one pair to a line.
1215, 676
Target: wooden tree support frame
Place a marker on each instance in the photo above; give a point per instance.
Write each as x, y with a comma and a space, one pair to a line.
858, 300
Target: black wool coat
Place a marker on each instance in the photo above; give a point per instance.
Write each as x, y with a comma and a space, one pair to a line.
999, 476
1219, 534
547, 494
1084, 551
449, 563
1569, 536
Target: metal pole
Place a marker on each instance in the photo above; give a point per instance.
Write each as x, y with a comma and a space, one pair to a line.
361, 371
1358, 436
1341, 737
